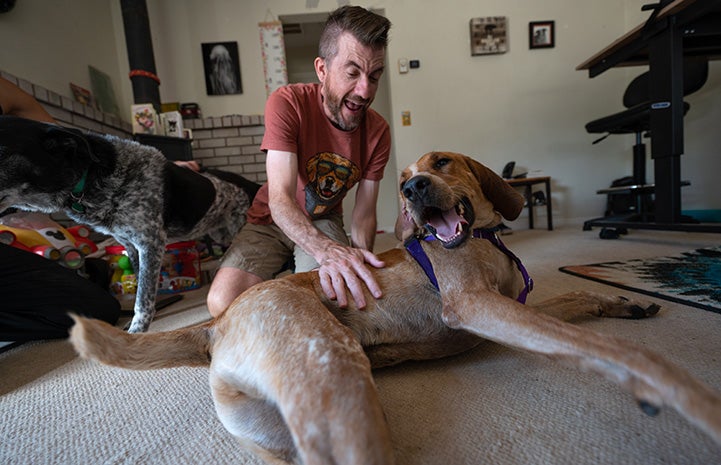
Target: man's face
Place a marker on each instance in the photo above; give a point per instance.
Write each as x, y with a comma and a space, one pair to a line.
349, 81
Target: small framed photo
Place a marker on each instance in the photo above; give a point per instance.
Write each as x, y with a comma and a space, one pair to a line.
541, 34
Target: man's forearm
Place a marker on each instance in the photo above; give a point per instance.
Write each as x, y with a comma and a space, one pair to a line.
299, 229
365, 222
363, 233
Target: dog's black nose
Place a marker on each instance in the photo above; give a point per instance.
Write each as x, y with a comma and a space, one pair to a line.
416, 187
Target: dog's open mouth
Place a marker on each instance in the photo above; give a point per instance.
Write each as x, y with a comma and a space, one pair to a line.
451, 227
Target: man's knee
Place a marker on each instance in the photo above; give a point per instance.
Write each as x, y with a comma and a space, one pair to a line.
216, 303
228, 284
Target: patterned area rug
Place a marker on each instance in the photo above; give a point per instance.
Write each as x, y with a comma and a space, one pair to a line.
692, 278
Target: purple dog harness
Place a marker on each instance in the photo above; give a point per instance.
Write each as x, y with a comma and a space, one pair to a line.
413, 246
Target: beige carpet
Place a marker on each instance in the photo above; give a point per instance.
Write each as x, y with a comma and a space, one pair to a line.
492, 405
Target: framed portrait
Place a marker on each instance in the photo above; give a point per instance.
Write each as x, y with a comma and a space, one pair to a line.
541, 34
489, 35
221, 63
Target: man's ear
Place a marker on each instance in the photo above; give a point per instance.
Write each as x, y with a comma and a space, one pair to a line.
320, 68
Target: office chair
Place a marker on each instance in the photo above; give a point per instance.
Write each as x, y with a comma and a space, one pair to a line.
635, 119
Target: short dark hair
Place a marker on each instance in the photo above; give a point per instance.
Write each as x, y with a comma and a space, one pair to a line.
368, 28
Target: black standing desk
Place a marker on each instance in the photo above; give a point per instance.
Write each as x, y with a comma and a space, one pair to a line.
681, 28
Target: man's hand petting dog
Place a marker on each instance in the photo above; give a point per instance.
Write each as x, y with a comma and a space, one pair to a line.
345, 267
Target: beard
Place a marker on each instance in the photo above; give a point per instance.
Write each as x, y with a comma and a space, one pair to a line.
335, 104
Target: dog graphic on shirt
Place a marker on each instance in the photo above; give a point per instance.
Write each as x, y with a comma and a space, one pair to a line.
329, 178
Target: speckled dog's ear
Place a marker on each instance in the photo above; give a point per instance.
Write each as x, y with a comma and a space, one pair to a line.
69, 141
59, 141
505, 199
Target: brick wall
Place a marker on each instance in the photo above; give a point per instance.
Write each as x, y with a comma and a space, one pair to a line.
230, 143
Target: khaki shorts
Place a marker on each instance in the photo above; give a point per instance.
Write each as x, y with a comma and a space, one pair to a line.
265, 250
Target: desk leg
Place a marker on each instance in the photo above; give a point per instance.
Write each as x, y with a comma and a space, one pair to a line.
668, 189
666, 122
549, 216
529, 202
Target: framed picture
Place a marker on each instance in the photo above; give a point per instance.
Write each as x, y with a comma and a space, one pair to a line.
82, 95
489, 35
222, 68
541, 34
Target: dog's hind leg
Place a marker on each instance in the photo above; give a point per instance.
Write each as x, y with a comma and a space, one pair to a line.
652, 379
583, 304
278, 342
254, 422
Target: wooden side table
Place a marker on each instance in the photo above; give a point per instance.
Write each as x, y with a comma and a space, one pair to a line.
527, 184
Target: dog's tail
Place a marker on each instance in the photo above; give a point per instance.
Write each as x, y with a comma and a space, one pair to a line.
97, 340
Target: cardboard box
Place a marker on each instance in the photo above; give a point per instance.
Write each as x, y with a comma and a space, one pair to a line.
145, 119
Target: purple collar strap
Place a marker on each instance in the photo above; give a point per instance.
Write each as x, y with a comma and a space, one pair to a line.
413, 246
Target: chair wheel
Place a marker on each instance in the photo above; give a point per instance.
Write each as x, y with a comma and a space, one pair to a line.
609, 233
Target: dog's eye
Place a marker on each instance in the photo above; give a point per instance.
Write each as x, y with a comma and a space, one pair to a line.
440, 163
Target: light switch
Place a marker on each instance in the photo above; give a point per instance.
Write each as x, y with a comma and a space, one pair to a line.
403, 65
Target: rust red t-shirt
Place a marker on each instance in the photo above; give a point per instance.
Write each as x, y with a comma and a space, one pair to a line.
330, 160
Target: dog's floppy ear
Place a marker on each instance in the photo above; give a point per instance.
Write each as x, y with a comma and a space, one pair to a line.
405, 226
68, 142
505, 199
59, 141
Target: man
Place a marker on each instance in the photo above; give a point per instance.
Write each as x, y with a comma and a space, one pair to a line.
320, 139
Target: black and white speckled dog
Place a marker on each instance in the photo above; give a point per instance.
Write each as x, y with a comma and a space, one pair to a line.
121, 188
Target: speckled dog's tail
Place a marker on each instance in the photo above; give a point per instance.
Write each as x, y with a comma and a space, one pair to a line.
97, 340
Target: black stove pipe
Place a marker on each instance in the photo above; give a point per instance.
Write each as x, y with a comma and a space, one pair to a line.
140, 53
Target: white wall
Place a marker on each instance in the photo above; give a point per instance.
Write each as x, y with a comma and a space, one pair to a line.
51, 43
526, 105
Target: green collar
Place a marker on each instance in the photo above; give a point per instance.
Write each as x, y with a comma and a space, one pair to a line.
78, 193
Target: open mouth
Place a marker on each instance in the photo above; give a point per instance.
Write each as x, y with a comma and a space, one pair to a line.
327, 193
353, 106
451, 227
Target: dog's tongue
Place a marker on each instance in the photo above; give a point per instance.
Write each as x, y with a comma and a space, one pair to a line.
446, 224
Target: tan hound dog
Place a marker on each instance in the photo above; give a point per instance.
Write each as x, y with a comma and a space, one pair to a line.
290, 371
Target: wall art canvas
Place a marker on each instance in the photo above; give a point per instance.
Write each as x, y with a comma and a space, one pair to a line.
102, 87
489, 35
222, 68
